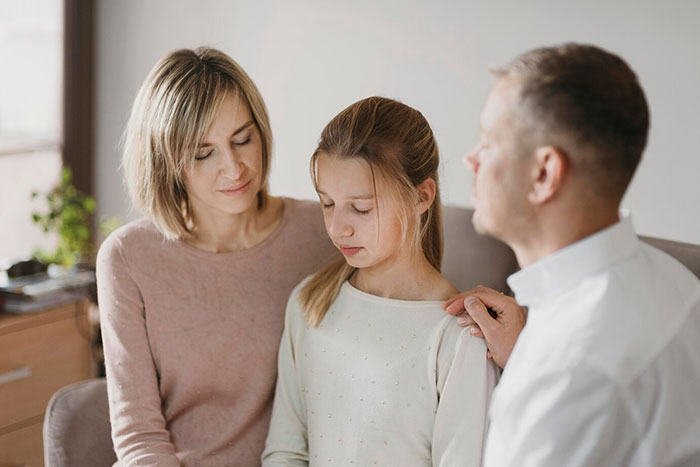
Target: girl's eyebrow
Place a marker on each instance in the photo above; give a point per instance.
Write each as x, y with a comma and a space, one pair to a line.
349, 197
241, 128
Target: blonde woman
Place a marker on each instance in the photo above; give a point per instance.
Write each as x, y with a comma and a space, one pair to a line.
371, 370
192, 296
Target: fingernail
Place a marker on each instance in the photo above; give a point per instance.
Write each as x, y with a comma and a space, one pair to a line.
470, 301
462, 320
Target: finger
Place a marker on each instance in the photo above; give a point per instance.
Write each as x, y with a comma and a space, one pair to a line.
455, 307
476, 332
465, 320
488, 355
480, 315
459, 298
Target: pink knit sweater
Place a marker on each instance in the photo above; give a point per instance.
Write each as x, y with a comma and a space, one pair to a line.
191, 338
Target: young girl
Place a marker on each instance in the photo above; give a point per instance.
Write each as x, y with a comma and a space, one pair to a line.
371, 370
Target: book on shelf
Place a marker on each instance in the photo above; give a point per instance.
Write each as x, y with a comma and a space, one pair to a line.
39, 291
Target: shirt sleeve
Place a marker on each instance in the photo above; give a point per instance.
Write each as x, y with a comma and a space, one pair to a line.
139, 431
465, 380
571, 417
287, 441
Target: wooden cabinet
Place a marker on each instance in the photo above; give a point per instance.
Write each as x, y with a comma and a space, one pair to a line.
39, 354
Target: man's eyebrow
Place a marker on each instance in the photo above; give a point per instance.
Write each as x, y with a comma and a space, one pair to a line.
241, 128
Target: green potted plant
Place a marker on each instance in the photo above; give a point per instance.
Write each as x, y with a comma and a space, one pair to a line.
69, 216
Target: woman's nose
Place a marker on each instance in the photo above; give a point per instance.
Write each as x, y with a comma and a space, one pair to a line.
232, 165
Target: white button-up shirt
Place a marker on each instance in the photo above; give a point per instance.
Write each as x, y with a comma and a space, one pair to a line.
607, 369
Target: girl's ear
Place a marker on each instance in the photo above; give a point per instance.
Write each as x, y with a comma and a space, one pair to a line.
427, 190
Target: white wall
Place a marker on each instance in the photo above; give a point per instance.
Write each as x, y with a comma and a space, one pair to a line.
310, 59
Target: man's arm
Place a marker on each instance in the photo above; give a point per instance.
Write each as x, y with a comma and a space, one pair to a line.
571, 415
500, 331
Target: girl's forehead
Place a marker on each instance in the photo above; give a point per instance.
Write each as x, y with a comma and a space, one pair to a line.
344, 174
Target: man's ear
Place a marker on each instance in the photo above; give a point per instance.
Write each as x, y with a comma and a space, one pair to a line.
550, 167
427, 190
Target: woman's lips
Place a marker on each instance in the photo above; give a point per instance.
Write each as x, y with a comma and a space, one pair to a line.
350, 250
236, 191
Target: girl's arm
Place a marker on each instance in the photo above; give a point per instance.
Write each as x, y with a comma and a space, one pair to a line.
465, 380
287, 440
139, 433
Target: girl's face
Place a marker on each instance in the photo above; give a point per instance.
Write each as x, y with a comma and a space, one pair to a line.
353, 214
227, 171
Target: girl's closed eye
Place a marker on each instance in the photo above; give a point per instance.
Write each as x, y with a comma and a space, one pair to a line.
361, 210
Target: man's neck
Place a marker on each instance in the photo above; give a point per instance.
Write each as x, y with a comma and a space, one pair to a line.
556, 230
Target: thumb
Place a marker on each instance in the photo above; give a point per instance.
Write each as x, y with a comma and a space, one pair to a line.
477, 310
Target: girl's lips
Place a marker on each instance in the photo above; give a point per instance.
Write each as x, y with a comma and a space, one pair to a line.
350, 250
236, 191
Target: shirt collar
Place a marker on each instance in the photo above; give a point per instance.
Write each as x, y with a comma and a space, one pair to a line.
563, 269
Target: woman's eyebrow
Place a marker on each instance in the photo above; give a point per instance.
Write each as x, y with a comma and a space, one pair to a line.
241, 128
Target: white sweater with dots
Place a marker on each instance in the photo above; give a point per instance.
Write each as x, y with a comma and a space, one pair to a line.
379, 382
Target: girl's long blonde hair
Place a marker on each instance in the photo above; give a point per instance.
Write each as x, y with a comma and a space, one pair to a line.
398, 144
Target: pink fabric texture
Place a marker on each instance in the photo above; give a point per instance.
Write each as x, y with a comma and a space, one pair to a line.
191, 338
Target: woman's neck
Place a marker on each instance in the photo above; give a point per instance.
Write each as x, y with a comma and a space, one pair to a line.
236, 232
406, 277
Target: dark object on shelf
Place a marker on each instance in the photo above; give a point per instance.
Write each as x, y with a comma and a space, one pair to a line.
26, 268
37, 292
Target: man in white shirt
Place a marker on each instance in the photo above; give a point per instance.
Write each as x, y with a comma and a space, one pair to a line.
607, 370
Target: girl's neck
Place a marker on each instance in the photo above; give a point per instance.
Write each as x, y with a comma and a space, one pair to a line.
407, 277
236, 232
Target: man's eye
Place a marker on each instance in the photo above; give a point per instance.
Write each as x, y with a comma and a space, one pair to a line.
201, 157
326, 205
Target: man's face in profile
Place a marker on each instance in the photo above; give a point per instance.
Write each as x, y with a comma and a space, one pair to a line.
501, 172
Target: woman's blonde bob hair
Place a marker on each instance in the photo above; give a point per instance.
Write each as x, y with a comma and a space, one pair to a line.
170, 117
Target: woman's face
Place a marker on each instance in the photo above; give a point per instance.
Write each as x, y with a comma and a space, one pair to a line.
353, 214
227, 171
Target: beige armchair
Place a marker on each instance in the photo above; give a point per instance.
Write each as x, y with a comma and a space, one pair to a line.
76, 425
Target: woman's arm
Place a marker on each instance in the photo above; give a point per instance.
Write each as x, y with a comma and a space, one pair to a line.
465, 380
139, 433
287, 441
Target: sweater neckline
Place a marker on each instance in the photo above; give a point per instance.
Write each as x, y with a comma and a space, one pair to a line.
348, 288
287, 211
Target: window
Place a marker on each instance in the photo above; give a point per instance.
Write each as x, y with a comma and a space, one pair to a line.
31, 109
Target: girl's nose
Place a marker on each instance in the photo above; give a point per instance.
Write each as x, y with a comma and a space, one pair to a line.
339, 227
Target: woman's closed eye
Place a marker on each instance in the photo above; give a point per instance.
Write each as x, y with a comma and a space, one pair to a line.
241, 142
201, 157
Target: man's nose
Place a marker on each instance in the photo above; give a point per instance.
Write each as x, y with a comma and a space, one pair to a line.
471, 160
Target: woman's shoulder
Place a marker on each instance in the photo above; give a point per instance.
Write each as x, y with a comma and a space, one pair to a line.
303, 212
139, 235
